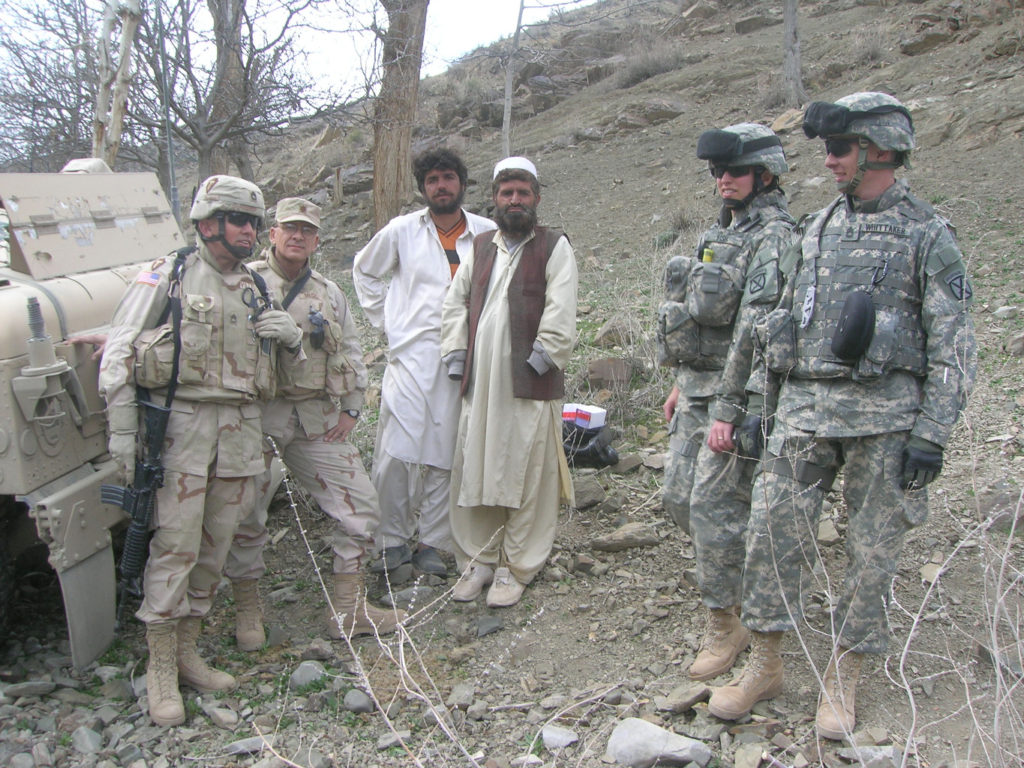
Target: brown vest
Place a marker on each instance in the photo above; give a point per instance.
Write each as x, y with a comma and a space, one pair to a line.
526, 294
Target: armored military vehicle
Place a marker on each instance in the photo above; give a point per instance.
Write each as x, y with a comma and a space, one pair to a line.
72, 245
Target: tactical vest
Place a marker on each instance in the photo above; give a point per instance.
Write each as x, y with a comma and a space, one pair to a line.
218, 349
326, 370
695, 324
877, 253
527, 293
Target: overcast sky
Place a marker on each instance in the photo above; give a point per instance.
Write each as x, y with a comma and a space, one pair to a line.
455, 27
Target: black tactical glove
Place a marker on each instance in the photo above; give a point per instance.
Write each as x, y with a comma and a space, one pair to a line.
922, 462
752, 434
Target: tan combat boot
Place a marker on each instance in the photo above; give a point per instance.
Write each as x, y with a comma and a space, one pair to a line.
723, 641
191, 667
249, 632
358, 617
165, 704
760, 679
835, 718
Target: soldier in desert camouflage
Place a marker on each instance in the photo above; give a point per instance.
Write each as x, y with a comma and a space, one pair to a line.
310, 420
212, 452
865, 366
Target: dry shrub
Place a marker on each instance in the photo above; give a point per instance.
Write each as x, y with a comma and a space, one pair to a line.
773, 95
654, 59
869, 45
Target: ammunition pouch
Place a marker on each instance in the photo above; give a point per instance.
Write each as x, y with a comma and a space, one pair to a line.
714, 293
677, 273
678, 335
154, 357
775, 338
877, 359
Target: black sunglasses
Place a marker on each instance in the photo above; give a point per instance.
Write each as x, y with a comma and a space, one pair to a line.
840, 147
736, 171
238, 219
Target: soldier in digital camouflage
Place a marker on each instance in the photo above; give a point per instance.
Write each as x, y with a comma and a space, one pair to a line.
865, 366
713, 298
228, 359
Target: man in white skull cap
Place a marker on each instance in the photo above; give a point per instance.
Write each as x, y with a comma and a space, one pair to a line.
507, 331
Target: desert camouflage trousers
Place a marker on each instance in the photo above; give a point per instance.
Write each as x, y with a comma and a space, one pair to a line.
786, 505
719, 509
334, 475
211, 464
687, 433
195, 519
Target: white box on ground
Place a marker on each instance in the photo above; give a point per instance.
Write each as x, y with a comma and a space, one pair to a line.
589, 416
569, 411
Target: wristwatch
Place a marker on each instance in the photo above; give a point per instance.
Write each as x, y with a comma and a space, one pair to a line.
352, 412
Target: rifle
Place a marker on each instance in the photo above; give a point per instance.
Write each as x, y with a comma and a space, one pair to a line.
139, 499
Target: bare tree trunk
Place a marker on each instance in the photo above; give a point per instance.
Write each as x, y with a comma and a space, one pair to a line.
506, 120
229, 80
395, 107
112, 93
792, 77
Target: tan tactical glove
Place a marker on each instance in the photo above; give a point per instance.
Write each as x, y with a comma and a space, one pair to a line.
278, 324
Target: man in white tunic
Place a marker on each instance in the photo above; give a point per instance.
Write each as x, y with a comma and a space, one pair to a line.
401, 278
507, 331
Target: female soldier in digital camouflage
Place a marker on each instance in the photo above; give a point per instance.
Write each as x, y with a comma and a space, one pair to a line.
714, 297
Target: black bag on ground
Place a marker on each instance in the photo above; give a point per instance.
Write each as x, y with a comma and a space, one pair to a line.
588, 447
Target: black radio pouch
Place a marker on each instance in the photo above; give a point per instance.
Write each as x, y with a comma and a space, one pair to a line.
855, 327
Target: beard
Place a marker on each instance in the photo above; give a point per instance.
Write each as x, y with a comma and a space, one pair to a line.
518, 222
443, 209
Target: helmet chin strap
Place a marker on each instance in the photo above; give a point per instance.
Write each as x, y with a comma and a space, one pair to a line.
239, 252
758, 187
863, 165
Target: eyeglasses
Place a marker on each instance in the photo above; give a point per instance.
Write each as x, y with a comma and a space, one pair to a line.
839, 147
239, 219
736, 171
307, 230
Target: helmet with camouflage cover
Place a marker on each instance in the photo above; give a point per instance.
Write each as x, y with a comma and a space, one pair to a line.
743, 144
221, 195
880, 118
227, 193
747, 144
870, 117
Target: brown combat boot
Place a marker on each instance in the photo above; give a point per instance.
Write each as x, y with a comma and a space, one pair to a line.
249, 632
836, 718
723, 641
165, 704
191, 667
760, 679
354, 614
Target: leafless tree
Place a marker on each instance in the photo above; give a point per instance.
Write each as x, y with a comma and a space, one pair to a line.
395, 107
792, 77
114, 76
506, 119
230, 83
234, 72
48, 83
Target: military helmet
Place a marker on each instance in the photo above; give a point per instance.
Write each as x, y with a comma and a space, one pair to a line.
743, 144
876, 116
227, 193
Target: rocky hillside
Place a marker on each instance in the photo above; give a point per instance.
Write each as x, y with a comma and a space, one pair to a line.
609, 103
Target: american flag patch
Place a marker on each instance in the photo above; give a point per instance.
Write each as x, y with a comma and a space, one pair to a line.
149, 278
